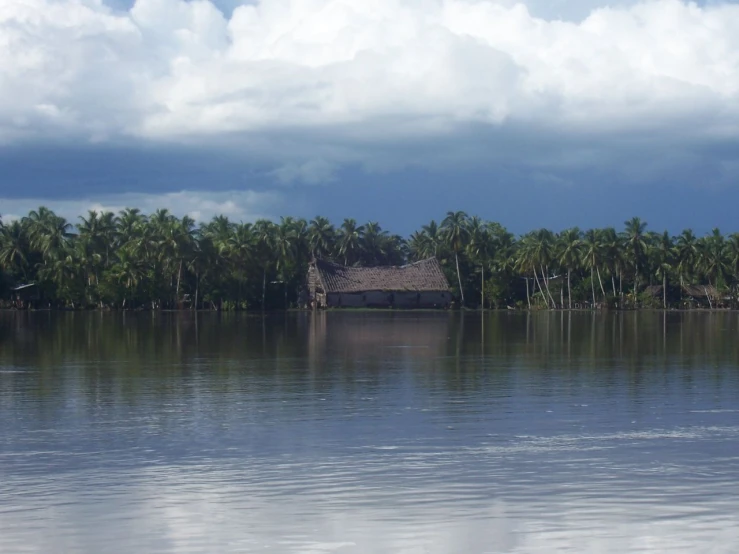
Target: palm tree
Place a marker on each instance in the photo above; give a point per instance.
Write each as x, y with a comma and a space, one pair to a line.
48, 232
664, 252
350, 240
544, 253
434, 238
372, 244
97, 232
455, 232
614, 257
264, 232
285, 248
419, 247
687, 252
569, 255
592, 252
129, 271
635, 241
321, 237
526, 259
241, 249
732, 260
175, 242
15, 248
711, 259
480, 248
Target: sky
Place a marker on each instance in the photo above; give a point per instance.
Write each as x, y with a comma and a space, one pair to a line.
538, 113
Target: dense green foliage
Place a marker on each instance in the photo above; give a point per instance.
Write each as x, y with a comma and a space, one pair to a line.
132, 260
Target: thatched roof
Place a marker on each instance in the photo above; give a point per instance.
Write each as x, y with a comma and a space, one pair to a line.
701, 291
23, 287
653, 290
425, 275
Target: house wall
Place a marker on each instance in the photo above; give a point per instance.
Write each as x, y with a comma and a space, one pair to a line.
313, 282
381, 299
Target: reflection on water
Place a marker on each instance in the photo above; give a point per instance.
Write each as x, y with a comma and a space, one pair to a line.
369, 432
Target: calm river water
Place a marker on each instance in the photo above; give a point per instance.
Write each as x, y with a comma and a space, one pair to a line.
369, 433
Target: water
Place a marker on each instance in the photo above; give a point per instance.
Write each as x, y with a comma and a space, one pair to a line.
369, 432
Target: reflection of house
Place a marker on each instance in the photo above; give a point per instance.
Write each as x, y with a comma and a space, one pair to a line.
418, 285
366, 336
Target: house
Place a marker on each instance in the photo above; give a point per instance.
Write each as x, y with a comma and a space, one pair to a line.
25, 296
417, 285
703, 293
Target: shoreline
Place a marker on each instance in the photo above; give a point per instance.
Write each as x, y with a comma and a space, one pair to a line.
367, 310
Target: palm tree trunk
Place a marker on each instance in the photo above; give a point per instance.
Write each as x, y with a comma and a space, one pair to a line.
528, 295
177, 290
541, 290
459, 277
569, 289
546, 284
562, 296
597, 269
264, 285
197, 290
592, 284
664, 291
613, 283
482, 289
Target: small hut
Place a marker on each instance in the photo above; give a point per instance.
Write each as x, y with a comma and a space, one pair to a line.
417, 285
704, 294
25, 296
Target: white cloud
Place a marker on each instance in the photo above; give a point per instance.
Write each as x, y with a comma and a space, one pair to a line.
209, 508
339, 77
200, 205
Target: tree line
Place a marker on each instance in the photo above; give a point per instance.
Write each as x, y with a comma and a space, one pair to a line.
131, 260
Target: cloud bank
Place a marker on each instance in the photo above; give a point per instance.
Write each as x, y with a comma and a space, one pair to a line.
169, 70
547, 93
237, 205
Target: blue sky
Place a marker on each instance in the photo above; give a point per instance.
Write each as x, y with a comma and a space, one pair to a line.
532, 114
